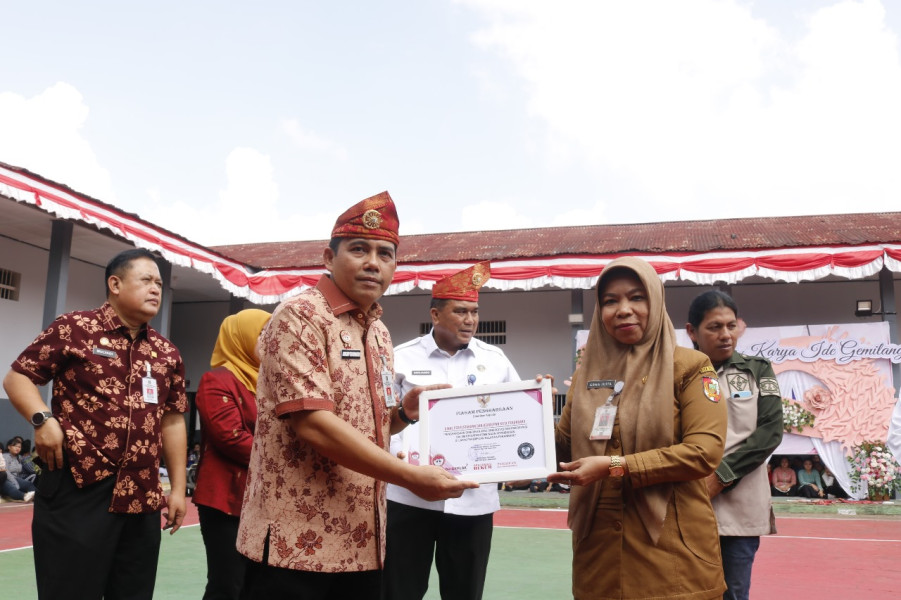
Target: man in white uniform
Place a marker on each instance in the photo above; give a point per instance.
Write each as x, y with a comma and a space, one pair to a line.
456, 532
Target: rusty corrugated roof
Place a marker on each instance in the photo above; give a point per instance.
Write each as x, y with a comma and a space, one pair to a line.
674, 237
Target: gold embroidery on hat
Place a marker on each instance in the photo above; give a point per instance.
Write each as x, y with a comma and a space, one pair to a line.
477, 279
372, 219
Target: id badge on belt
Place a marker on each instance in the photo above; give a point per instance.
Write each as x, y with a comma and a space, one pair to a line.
149, 389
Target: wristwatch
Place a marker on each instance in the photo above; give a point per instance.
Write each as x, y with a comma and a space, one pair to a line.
403, 415
617, 467
39, 418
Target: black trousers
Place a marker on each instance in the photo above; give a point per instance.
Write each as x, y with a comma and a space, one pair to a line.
265, 582
460, 545
225, 566
81, 550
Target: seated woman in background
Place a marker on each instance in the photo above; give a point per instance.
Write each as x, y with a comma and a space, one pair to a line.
810, 484
19, 482
784, 479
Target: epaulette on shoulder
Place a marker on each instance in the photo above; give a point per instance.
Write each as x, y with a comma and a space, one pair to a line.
487, 347
407, 344
754, 357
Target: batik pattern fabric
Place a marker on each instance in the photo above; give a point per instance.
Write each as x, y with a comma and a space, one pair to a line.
97, 372
320, 351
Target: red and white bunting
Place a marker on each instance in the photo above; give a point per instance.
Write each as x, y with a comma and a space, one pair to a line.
566, 272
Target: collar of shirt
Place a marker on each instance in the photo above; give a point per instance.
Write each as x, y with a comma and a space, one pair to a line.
112, 322
428, 341
737, 360
340, 303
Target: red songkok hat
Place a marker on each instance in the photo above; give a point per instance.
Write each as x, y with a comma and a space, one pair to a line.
374, 218
463, 285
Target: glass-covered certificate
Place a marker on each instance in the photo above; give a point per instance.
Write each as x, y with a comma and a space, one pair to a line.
489, 433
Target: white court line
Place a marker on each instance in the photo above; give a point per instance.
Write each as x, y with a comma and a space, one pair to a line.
29, 547
828, 539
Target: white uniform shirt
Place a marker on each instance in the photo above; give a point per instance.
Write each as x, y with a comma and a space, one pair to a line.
421, 362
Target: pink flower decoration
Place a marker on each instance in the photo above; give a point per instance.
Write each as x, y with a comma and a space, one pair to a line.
818, 398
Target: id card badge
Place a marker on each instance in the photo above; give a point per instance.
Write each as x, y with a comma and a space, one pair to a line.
604, 417
149, 389
388, 384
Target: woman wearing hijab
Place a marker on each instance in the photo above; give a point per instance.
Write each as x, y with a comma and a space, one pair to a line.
226, 400
642, 427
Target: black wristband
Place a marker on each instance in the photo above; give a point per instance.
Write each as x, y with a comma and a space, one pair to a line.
403, 416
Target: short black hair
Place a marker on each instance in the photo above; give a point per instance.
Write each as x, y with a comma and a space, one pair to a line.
438, 303
16, 441
122, 262
704, 303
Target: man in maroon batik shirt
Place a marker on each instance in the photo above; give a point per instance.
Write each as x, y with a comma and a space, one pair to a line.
118, 399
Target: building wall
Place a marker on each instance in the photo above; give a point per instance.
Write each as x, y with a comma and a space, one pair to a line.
20, 321
772, 304
194, 329
539, 335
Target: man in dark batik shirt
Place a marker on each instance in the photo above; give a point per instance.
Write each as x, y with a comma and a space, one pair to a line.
118, 399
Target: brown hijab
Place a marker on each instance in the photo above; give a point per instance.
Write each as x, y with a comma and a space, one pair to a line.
645, 405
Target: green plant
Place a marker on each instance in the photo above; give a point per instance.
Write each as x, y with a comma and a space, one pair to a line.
795, 417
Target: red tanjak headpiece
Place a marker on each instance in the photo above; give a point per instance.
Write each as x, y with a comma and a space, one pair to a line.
463, 285
373, 218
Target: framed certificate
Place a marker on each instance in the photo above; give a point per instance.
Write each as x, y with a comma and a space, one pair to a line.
489, 433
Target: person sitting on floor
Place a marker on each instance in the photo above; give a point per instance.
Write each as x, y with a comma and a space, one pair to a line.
784, 480
518, 485
14, 485
810, 484
831, 486
539, 485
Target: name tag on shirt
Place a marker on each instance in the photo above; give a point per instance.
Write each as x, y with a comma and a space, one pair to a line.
104, 352
425, 373
598, 384
348, 354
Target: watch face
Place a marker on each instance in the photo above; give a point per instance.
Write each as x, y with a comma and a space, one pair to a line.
37, 419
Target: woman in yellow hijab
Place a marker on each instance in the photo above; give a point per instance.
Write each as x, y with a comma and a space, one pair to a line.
642, 426
226, 401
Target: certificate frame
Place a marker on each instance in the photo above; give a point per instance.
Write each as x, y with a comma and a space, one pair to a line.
520, 416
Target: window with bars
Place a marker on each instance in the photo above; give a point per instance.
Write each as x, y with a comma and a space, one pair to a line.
490, 332
559, 402
9, 284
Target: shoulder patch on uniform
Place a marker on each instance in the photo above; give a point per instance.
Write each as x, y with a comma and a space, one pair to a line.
769, 386
712, 389
707, 369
